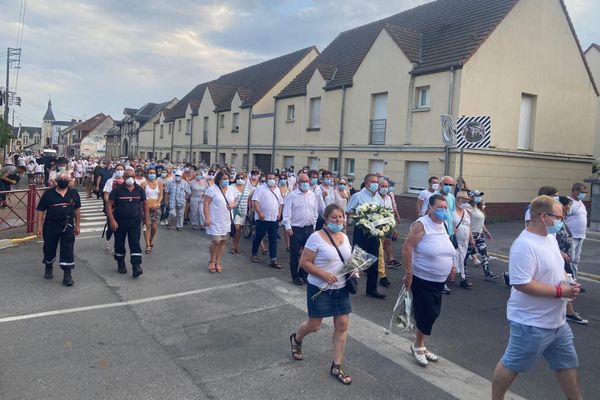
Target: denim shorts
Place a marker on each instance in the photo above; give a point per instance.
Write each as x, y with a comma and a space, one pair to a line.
527, 343
330, 303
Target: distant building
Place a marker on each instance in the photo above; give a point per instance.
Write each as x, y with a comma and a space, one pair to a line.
51, 129
25, 138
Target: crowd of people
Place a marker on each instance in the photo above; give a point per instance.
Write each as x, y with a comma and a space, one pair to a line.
311, 210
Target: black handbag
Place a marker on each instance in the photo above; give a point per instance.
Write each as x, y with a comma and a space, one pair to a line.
452, 236
351, 281
232, 226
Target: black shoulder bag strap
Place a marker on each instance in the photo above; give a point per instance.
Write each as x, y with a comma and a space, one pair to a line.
334, 245
226, 202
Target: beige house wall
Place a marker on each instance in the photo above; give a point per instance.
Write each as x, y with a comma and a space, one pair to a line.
593, 59
533, 51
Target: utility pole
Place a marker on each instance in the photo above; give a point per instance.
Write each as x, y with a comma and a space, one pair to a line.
13, 56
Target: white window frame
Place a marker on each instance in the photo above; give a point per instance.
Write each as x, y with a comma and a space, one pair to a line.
314, 119
235, 122
291, 113
417, 175
423, 98
222, 121
350, 164
373, 163
333, 165
311, 160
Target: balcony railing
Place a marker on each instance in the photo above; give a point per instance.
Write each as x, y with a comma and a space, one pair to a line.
377, 131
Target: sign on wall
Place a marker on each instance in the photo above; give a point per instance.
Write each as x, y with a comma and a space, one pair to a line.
473, 132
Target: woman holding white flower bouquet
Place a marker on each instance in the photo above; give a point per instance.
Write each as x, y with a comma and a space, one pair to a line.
428, 258
327, 294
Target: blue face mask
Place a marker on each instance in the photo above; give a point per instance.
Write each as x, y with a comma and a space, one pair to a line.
283, 181
373, 186
441, 214
224, 183
391, 190
335, 228
581, 196
271, 182
477, 200
447, 188
555, 228
314, 181
328, 182
304, 186
152, 176
341, 187
383, 191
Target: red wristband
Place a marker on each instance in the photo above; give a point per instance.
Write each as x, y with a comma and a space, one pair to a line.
558, 292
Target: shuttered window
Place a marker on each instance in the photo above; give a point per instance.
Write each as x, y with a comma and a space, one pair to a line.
417, 173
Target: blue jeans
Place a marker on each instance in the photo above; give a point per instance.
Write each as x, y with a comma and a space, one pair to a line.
268, 228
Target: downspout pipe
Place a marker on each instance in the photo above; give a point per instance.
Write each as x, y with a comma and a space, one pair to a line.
191, 136
450, 100
154, 142
249, 138
172, 156
217, 140
274, 137
340, 148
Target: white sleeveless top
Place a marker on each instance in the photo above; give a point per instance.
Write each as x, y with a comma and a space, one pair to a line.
152, 193
434, 254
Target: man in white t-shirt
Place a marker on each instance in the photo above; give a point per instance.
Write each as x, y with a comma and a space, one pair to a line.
537, 305
267, 203
423, 200
577, 223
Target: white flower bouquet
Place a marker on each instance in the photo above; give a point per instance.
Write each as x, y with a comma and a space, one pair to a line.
402, 316
374, 220
359, 261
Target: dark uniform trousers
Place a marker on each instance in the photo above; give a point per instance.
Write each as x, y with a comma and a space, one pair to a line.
297, 242
132, 229
370, 245
53, 235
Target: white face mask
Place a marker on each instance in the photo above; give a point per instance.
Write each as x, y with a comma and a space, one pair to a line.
435, 186
119, 173
465, 206
129, 181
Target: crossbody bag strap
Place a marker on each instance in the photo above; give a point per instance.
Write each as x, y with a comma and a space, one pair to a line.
229, 211
334, 245
461, 220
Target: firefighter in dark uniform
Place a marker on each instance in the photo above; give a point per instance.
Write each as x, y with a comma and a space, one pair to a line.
124, 213
58, 222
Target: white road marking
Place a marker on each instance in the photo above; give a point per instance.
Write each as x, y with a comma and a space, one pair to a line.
123, 303
445, 375
77, 238
101, 223
94, 218
88, 230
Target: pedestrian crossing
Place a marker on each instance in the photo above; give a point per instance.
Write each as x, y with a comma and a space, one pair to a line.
92, 217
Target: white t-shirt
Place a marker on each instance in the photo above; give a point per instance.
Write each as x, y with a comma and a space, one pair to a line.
269, 202
477, 220
424, 196
536, 257
327, 259
577, 220
434, 254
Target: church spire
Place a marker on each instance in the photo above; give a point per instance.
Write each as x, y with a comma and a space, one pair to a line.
49, 116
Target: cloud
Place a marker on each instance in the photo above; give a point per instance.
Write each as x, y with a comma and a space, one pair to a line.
101, 56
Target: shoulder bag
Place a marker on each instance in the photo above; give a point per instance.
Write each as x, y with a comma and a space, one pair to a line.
452, 236
351, 282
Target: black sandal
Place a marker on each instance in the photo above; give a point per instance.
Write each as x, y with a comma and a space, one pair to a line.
296, 348
341, 375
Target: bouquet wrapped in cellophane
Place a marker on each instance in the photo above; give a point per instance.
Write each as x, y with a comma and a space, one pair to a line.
359, 261
402, 316
374, 220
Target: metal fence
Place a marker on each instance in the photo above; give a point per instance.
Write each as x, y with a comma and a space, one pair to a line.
19, 209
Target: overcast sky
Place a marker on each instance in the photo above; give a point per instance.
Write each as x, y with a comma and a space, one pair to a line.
103, 55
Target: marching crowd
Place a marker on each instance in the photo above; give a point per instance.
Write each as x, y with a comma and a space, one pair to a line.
311, 210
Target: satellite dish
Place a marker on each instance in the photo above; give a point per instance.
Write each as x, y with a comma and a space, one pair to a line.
448, 131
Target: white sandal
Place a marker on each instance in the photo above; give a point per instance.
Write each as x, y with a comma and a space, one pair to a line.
421, 358
430, 356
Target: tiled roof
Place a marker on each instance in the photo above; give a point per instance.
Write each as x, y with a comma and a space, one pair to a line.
130, 111
252, 83
114, 131
49, 116
19, 130
149, 110
92, 123
434, 36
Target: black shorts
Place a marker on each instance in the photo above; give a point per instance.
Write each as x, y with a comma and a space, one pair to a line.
427, 303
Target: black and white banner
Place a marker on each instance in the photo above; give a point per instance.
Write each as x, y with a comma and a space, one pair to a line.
473, 132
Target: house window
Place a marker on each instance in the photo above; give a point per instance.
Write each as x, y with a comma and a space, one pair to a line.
313, 163
234, 159
376, 166
170, 129
333, 165
423, 98
349, 166
314, 122
235, 122
417, 174
188, 127
178, 156
205, 131
379, 110
245, 160
179, 126
291, 113
288, 161
222, 121
222, 159
526, 121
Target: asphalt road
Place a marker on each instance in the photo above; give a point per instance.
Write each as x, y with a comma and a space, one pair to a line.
179, 332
